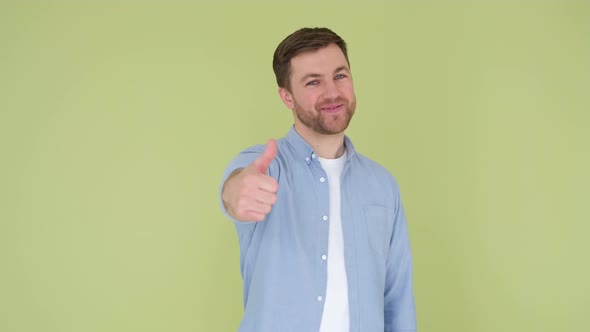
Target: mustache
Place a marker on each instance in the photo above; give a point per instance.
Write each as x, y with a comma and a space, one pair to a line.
338, 100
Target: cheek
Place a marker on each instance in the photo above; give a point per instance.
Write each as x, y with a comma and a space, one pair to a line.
349, 89
309, 100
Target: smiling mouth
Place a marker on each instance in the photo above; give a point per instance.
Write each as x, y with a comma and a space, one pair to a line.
332, 108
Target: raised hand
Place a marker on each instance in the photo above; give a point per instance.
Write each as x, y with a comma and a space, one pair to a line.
249, 193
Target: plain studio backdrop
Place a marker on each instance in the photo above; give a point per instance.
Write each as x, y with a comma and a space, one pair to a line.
118, 117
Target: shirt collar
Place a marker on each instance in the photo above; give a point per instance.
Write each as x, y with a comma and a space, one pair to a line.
306, 152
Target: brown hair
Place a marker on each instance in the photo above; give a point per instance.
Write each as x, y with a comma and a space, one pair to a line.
302, 40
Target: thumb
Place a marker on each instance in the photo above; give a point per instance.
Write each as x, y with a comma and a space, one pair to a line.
263, 162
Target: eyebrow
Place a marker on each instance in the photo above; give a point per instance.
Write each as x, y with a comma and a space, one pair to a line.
313, 75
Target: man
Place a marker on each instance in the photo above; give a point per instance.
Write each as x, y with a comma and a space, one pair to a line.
323, 237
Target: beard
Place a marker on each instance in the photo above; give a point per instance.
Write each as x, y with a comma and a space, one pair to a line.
323, 122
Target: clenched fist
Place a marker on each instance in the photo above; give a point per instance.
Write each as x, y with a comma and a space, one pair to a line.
248, 194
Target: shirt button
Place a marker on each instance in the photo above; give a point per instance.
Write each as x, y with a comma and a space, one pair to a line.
324, 257
324, 218
322, 179
313, 155
306, 158
320, 299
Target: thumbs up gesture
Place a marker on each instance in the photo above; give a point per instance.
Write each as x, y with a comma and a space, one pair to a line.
248, 194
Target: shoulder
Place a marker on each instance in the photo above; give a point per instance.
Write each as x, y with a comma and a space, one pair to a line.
251, 153
254, 149
259, 148
244, 158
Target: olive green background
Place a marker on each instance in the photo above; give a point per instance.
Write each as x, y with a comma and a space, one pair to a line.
117, 119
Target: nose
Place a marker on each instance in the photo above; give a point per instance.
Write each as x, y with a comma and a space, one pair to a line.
331, 90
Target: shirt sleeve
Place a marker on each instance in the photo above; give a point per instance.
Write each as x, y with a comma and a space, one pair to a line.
400, 309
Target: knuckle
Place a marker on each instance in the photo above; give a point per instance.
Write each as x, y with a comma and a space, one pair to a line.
243, 207
252, 180
254, 217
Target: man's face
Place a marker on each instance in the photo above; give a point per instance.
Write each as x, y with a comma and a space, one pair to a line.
322, 94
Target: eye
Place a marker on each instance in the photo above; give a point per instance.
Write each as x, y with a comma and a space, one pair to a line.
314, 82
340, 76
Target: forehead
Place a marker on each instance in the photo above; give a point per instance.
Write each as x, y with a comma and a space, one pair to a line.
322, 61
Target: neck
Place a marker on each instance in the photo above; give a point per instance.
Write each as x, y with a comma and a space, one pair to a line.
326, 146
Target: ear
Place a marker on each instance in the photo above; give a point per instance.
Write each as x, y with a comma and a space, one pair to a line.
287, 98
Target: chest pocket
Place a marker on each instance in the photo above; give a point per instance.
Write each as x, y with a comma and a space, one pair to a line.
379, 220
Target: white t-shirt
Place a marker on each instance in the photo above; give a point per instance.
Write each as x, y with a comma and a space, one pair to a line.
335, 317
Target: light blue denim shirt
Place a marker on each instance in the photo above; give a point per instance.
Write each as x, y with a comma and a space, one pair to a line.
284, 275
